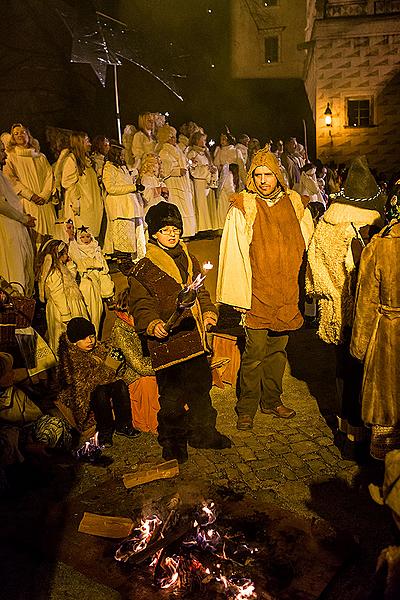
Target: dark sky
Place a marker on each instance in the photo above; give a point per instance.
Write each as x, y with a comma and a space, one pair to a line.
40, 86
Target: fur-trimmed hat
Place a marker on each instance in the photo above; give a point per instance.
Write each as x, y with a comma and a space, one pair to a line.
360, 188
79, 328
161, 215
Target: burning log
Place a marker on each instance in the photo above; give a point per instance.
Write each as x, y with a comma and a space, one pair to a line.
165, 470
105, 526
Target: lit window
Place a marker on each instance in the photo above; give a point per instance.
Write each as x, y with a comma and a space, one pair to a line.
359, 113
271, 45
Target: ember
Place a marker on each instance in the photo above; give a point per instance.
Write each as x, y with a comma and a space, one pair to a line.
200, 558
90, 451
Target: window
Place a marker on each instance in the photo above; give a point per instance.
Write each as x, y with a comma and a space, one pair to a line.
271, 49
268, 3
359, 113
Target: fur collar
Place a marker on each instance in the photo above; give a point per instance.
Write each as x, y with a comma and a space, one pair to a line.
167, 264
345, 213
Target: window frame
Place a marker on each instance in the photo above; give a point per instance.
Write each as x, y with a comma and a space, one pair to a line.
357, 98
277, 37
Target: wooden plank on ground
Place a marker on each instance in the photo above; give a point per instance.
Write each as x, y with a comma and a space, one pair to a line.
105, 526
165, 470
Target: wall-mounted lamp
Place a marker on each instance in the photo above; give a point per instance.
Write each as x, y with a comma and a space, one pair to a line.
328, 116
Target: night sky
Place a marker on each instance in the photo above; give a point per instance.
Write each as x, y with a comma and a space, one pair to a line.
41, 86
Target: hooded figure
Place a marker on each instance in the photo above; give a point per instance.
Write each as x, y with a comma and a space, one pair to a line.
261, 280
333, 256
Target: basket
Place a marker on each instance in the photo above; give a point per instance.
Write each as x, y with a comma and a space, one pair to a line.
16, 313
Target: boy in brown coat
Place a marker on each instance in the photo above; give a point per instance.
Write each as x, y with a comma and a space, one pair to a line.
178, 356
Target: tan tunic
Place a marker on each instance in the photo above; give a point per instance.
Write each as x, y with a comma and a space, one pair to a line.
276, 254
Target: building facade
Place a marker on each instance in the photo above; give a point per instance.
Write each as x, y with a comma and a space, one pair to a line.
353, 63
265, 38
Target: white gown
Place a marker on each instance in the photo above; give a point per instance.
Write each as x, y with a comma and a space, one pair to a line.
142, 145
96, 282
125, 212
64, 301
179, 186
82, 196
30, 173
224, 156
204, 197
16, 251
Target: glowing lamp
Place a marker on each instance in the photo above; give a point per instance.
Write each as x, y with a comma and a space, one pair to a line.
328, 116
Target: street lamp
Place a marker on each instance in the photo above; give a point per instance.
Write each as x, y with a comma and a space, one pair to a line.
328, 116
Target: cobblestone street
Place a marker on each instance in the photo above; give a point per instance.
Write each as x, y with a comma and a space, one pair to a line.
293, 465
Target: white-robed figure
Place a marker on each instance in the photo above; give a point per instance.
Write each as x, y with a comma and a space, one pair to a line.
16, 251
59, 289
31, 176
124, 207
144, 140
227, 154
96, 284
83, 203
176, 177
205, 177
151, 179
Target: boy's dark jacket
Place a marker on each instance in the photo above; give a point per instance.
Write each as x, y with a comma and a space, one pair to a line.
154, 287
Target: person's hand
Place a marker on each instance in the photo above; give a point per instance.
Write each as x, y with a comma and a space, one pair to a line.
241, 310
208, 322
183, 172
76, 210
37, 200
164, 192
31, 222
159, 331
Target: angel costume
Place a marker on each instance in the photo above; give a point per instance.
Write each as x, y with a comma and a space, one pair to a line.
30, 173
83, 202
203, 177
64, 300
96, 282
224, 156
16, 252
125, 212
179, 186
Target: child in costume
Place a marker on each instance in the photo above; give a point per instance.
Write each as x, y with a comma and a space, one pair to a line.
59, 289
179, 356
96, 284
90, 385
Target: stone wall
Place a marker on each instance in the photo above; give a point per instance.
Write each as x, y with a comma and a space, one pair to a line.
356, 59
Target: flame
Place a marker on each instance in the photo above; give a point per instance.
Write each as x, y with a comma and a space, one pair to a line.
207, 266
171, 565
139, 538
196, 283
241, 589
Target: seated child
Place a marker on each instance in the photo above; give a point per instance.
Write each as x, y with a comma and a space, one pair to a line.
138, 374
90, 385
179, 356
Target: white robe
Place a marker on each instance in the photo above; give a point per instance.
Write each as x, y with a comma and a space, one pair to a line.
179, 186
205, 202
151, 192
30, 173
142, 145
125, 212
16, 251
96, 282
83, 202
64, 302
224, 156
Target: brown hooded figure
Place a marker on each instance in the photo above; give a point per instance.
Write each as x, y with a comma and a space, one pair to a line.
262, 248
